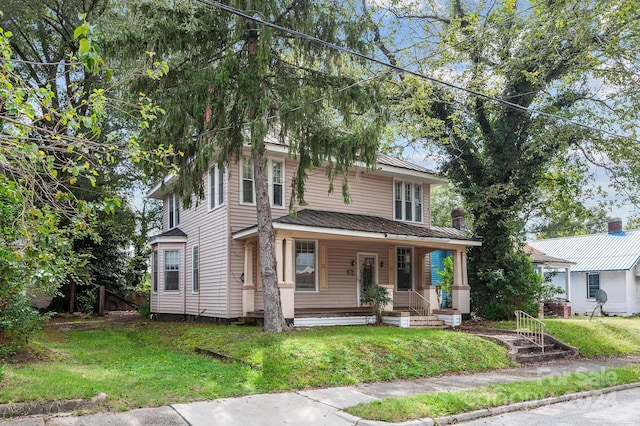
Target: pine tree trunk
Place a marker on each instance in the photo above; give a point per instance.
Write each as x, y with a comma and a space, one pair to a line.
273, 317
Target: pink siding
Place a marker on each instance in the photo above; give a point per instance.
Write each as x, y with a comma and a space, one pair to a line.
222, 258
343, 287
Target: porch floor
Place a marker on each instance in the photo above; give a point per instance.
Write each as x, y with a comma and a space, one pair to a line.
329, 312
320, 312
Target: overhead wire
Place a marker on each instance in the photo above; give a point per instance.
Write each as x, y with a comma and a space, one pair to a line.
403, 70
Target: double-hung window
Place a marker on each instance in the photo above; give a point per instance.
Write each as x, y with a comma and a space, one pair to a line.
216, 187
593, 285
154, 272
195, 262
276, 183
306, 261
247, 181
407, 198
174, 211
275, 176
172, 270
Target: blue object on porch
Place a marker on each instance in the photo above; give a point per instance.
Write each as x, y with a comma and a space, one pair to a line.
437, 264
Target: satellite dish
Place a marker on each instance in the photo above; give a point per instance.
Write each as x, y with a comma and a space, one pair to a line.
601, 299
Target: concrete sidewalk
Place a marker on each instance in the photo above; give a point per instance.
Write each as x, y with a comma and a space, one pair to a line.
314, 407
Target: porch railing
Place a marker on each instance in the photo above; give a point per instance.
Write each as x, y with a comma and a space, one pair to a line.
419, 304
530, 328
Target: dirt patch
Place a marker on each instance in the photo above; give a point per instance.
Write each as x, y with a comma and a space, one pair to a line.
56, 329
68, 322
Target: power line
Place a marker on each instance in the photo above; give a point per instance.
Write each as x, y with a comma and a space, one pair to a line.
397, 68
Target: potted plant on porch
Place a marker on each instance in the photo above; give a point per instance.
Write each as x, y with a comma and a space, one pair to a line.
376, 297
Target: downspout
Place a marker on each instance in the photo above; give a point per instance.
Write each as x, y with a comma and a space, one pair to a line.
184, 287
199, 281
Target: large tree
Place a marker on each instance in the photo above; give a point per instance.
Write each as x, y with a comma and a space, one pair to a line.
499, 88
234, 81
46, 146
46, 51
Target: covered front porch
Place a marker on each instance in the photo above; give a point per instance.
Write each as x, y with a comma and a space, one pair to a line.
325, 260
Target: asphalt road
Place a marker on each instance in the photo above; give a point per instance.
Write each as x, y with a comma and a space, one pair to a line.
615, 408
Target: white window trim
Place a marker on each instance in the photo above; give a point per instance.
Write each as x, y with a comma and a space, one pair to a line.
164, 272
155, 274
316, 260
271, 183
214, 185
413, 201
412, 269
270, 162
599, 285
195, 267
174, 206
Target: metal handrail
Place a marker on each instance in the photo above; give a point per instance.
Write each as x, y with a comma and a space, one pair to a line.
530, 328
419, 304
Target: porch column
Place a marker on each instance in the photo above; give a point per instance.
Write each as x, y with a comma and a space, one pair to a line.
460, 290
285, 275
248, 288
567, 283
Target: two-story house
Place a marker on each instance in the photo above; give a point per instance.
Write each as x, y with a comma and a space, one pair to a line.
205, 263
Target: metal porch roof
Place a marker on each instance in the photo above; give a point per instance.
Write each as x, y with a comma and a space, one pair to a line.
617, 251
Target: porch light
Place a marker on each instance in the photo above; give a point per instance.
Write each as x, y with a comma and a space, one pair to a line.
381, 264
353, 263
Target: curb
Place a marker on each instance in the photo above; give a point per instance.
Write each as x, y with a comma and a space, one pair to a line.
502, 409
49, 407
526, 405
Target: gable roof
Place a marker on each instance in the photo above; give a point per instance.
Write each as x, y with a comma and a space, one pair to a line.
619, 251
373, 226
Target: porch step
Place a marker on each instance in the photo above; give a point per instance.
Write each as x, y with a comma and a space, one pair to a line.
426, 321
524, 351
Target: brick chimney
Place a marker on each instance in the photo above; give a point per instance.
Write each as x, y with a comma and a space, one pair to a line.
615, 225
457, 219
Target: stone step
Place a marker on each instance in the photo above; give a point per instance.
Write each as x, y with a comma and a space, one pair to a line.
528, 358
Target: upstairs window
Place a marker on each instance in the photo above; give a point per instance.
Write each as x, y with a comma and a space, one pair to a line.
593, 285
407, 198
174, 211
276, 181
216, 187
275, 176
247, 181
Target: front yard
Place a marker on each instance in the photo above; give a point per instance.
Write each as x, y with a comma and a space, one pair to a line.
144, 363
147, 363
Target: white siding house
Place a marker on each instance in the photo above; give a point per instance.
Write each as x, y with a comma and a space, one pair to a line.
608, 261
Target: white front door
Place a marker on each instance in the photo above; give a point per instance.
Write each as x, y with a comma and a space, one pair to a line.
367, 271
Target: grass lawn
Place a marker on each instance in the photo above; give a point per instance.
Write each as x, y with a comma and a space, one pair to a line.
447, 403
607, 336
147, 363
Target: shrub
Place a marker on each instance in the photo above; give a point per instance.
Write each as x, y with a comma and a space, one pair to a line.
377, 297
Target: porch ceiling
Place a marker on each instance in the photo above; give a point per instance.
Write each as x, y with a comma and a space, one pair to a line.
354, 226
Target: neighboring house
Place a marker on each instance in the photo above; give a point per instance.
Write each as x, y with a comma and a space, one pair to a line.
608, 261
206, 263
545, 264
